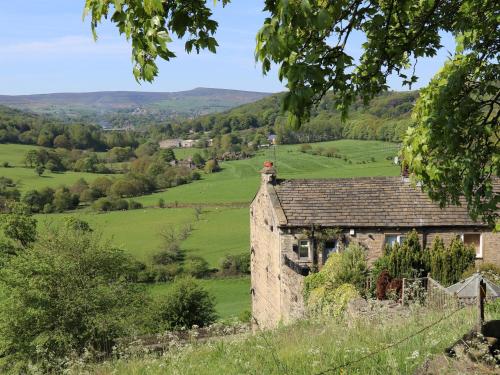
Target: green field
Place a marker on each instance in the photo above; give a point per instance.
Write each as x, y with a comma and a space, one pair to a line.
218, 232
26, 178
221, 229
238, 181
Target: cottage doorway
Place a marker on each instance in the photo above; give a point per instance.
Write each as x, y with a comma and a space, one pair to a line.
331, 247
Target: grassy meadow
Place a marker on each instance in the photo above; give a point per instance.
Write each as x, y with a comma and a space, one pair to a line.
26, 178
223, 226
312, 347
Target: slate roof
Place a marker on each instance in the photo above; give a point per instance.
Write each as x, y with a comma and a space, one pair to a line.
364, 202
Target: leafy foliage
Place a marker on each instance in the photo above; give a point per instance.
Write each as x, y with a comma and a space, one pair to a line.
68, 293
454, 146
18, 225
330, 301
186, 304
18, 126
151, 24
386, 118
348, 267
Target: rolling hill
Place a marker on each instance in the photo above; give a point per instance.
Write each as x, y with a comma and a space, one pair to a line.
385, 118
103, 107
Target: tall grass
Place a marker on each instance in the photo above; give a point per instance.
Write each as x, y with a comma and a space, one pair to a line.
310, 347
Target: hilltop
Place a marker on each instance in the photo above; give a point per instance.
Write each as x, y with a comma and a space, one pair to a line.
102, 107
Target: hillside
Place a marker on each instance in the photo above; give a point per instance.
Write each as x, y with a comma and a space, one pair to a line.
385, 118
110, 107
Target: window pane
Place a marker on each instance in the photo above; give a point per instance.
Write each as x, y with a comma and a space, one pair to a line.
401, 239
391, 240
304, 249
474, 240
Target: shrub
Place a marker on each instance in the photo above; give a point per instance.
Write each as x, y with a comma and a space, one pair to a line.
448, 264
211, 166
245, 316
161, 203
169, 255
103, 204
66, 295
394, 289
162, 273
235, 264
186, 304
5, 164
347, 267
196, 266
383, 281
331, 301
305, 147
405, 260
77, 225
134, 205
119, 205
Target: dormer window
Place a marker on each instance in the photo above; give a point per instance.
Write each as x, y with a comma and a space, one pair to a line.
304, 247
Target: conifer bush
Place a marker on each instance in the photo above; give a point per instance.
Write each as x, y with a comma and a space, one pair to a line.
447, 264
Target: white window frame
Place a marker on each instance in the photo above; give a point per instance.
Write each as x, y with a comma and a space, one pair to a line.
479, 255
398, 238
308, 249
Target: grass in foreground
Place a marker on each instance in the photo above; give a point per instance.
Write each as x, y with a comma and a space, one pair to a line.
310, 348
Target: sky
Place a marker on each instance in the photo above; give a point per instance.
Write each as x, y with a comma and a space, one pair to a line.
46, 47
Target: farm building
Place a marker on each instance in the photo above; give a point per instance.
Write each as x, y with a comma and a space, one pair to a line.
288, 216
170, 143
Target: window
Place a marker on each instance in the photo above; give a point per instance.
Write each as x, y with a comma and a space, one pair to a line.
475, 240
391, 239
303, 249
331, 247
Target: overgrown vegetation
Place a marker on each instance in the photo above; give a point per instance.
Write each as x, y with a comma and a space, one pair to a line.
341, 279
308, 347
67, 293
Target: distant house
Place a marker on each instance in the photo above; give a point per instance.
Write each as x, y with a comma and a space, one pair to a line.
188, 143
288, 216
170, 143
188, 163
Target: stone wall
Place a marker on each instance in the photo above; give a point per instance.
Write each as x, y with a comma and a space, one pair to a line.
265, 262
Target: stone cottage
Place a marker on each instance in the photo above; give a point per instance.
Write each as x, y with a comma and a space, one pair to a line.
288, 217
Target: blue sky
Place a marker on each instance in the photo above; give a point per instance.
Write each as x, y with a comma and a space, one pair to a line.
47, 48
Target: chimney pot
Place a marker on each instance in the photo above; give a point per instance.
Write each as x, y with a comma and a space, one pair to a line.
268, 173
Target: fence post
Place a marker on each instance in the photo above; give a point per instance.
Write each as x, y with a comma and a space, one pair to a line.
403, 292
481, 294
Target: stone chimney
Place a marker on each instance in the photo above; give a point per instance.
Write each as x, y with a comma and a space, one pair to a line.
268, 173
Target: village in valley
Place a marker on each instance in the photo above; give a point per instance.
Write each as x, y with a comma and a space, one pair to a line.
334, 210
